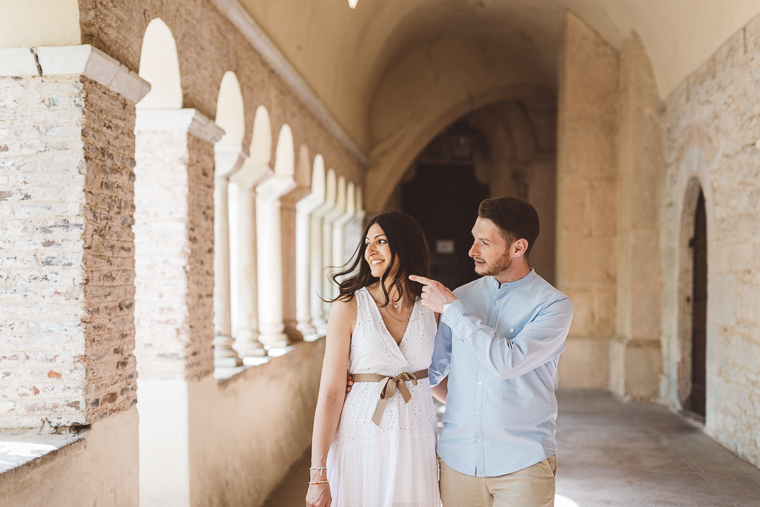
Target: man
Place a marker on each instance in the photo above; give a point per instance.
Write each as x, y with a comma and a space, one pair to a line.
496, 354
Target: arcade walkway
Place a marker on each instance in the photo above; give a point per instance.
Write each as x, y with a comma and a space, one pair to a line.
615, 454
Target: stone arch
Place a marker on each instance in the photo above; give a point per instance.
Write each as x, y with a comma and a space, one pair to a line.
284, 161
388, 164
230, 112
260, 152
693, 181
159, 65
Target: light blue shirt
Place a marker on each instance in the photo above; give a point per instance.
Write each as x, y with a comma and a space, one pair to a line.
499, 345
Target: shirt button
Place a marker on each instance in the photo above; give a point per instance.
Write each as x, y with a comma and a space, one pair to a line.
477, 412
496, 302
478, 440
512, 330
480, 383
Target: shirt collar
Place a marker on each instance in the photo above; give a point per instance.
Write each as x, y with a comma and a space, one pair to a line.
512, 285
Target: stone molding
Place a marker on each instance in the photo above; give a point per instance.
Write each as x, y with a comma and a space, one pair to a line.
83, 60
243, 21
190, 120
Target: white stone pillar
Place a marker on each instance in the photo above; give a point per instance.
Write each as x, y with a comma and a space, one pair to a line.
244, 267
328, 288
339, 233
224, 354
304, 208
269, 249
355, 227
316, 260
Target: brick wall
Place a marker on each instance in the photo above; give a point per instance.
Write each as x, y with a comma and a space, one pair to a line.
201, 261
66, 327
716, 112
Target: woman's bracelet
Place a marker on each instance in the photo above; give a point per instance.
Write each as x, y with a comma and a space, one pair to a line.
319, 482
321, 470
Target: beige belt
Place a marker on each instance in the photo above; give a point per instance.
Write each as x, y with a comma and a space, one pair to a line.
389, 388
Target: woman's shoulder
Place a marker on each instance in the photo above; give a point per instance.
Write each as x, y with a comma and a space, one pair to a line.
342, 308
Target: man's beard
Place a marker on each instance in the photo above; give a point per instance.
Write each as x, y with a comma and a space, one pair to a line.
502, 264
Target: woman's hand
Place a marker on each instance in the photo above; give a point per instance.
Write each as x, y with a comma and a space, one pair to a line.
318, 495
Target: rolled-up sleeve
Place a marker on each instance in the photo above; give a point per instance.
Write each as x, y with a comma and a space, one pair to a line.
539, 341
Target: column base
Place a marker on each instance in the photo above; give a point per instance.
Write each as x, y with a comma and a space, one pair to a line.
249, 348
274, 340
308, 331
246, 344
224, 355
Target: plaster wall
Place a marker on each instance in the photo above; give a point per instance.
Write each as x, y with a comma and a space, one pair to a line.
101, 469
713, 125
227, 443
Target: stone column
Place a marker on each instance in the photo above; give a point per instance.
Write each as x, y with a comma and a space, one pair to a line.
586, 211
635, 354
355, 227
328, 288
244, 270
269, 248
339, 232
304, 209
317, 260
66, 181
224, 354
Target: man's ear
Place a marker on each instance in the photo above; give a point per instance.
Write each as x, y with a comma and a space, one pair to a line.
519, 247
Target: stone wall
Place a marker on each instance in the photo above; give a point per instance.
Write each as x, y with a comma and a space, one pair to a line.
713, 127
67, 257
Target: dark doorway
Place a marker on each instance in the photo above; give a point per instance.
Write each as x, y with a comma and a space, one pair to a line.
444, 199
698, 244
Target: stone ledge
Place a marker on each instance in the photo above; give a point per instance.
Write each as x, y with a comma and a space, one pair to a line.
83, 60
230, 374
187, 120
20, 454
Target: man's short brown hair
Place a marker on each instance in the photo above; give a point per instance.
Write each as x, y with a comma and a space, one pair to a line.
515, 218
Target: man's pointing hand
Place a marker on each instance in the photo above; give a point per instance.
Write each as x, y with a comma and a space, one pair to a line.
434, 294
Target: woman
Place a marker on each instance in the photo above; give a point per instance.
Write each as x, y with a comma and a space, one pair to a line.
368, 451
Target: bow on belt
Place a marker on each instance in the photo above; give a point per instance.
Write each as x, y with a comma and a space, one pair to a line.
390, 384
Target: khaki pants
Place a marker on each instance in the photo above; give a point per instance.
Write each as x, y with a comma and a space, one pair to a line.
531, 487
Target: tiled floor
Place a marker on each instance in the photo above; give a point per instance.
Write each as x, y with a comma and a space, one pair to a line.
616, 454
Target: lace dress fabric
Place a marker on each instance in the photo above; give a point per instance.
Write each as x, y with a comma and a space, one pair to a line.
394, 464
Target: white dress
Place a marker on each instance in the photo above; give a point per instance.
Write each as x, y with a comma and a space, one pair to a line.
394, 464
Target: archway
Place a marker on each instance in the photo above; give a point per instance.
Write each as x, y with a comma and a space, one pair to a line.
443, 195
698, 243
693, 363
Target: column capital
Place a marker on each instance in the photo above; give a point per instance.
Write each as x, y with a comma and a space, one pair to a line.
83, 60
251, 175
188, 120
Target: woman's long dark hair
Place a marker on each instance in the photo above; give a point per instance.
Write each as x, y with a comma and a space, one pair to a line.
409, 249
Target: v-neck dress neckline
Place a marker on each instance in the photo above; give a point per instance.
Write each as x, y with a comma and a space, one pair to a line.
385, 326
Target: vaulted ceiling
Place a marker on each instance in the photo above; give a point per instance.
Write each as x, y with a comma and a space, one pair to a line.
369, 61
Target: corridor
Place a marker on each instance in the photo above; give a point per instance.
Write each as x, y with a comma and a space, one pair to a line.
179, 180
620, 454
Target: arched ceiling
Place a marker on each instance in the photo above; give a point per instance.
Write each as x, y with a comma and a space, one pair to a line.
349, 57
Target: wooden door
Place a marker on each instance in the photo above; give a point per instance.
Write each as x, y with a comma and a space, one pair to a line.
699, 316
